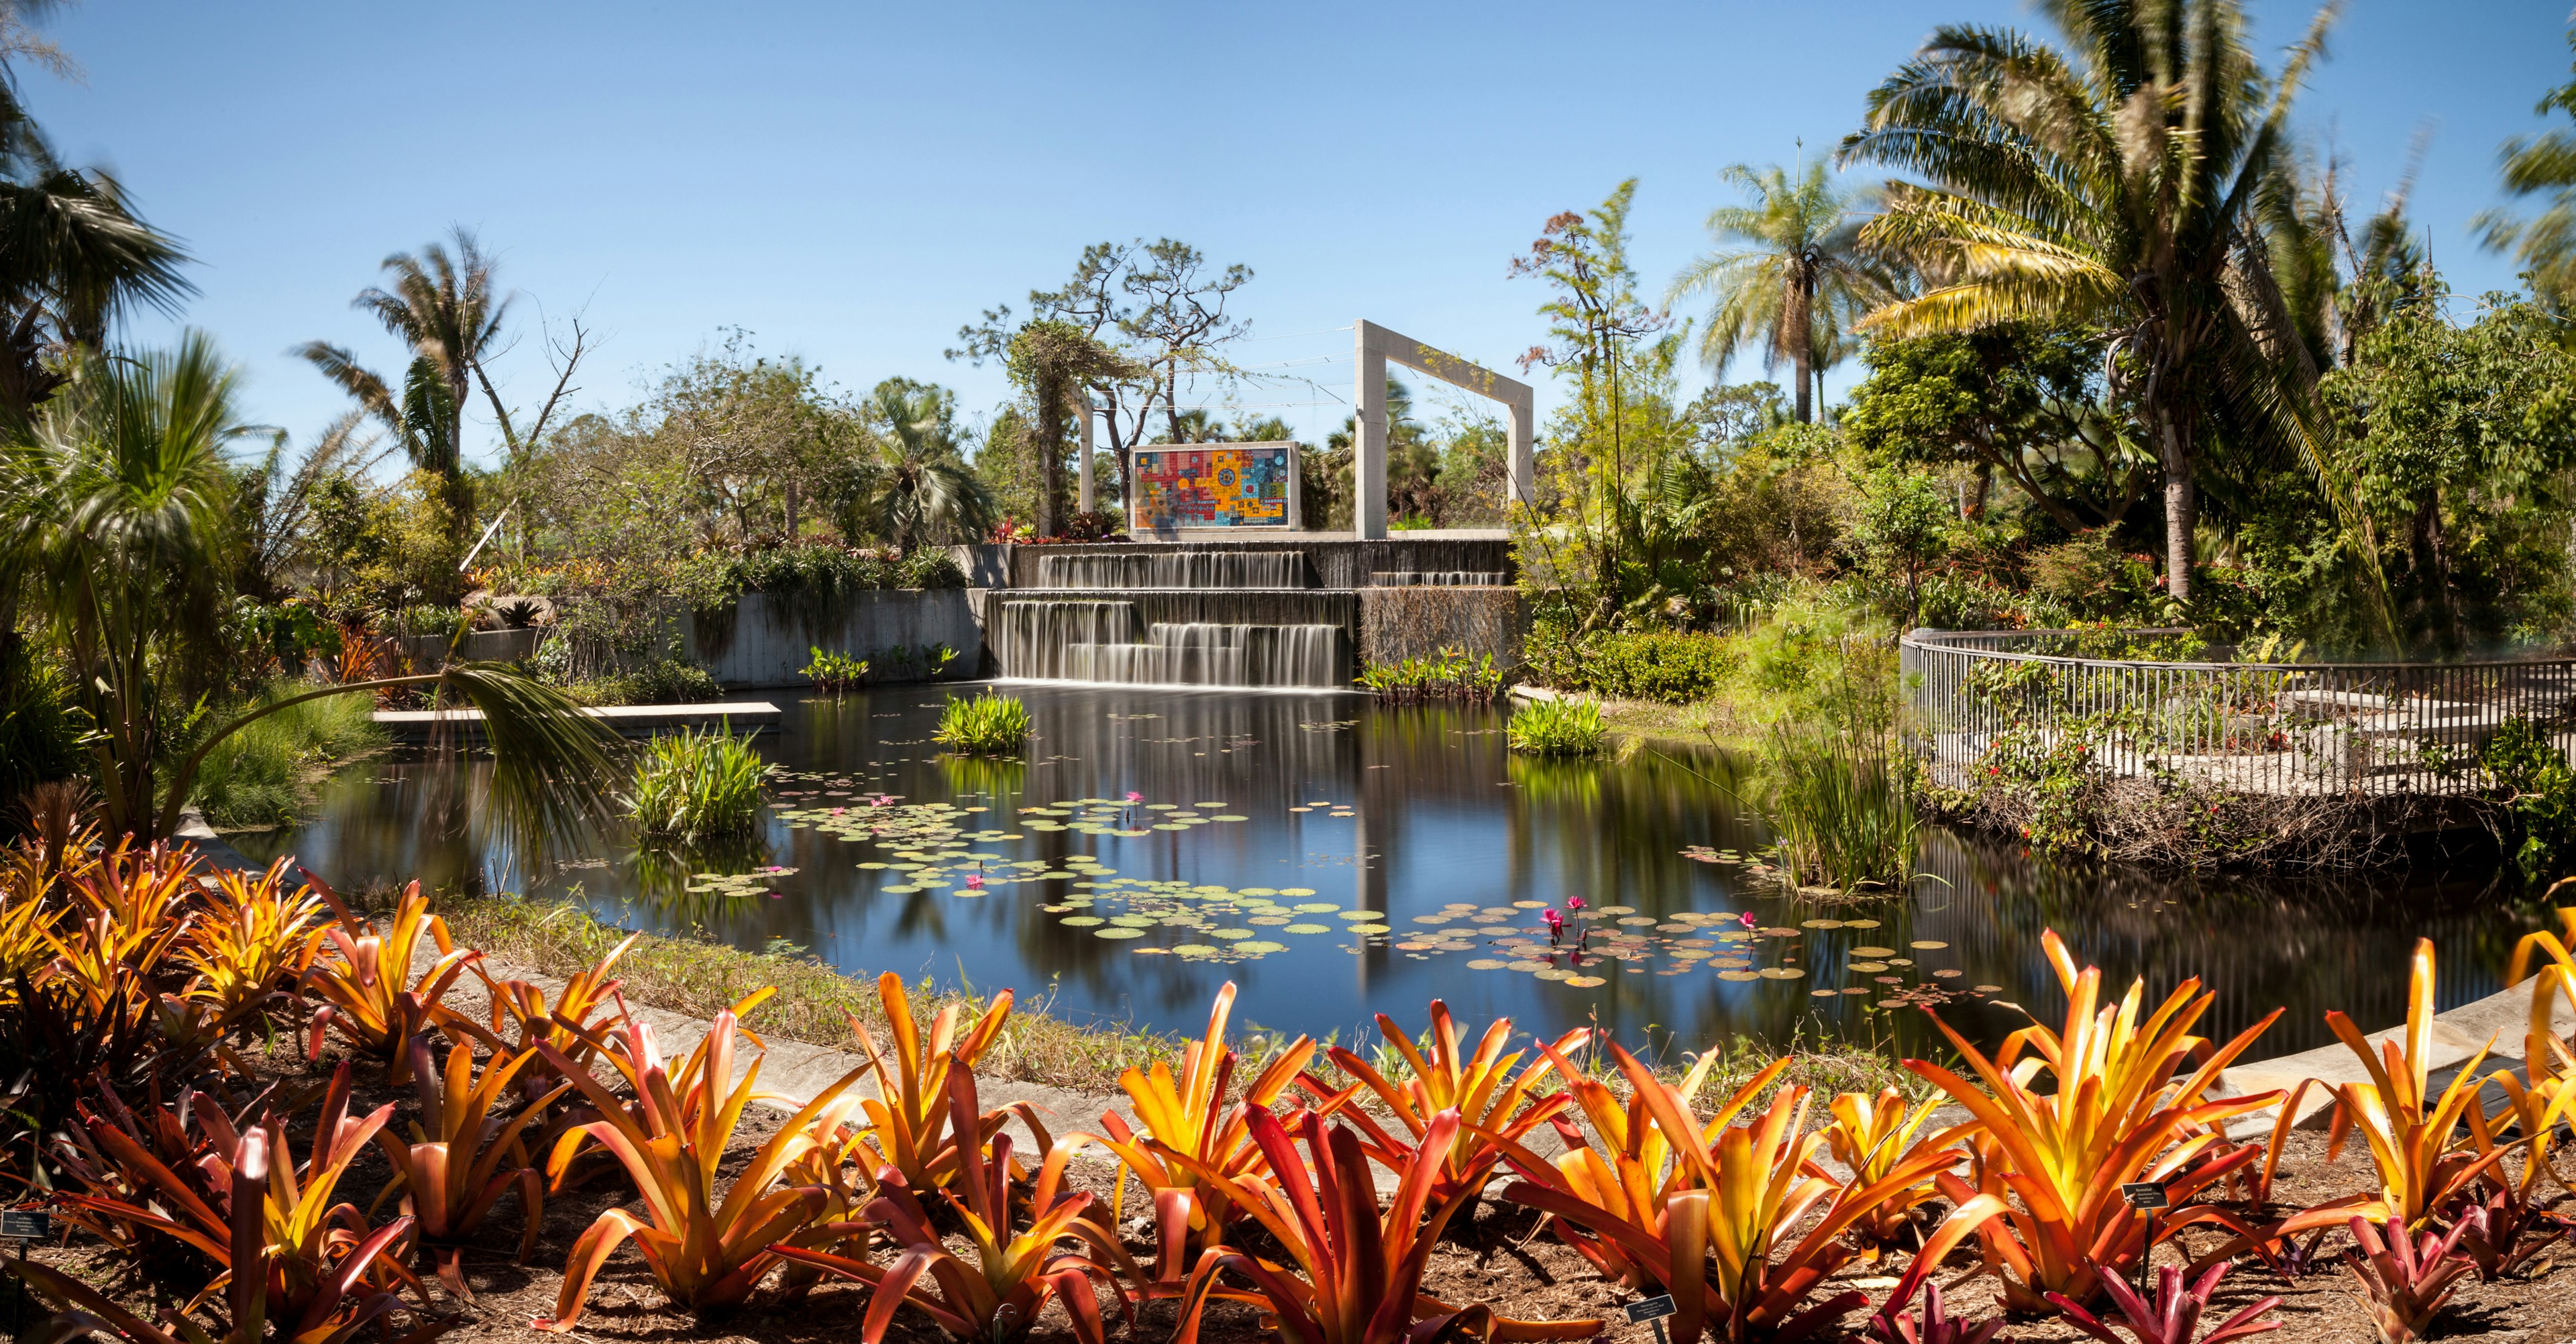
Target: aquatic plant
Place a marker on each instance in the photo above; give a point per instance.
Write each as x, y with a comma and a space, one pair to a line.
1841, 804
1452, 674
695, 787
988, 724
835, 673
1564, 727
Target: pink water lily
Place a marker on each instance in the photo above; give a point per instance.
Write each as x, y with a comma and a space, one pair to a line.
1573, 902
974, 882
1135, 797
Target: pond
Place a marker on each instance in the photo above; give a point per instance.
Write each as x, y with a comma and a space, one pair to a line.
1338, 858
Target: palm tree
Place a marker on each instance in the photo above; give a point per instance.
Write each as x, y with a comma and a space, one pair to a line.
115, 525
73, 255
924, 493
2543, 166
441, 307
1797, 282
2115, 181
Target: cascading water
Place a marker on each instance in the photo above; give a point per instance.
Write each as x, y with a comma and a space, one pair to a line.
1438, 578
1174, 569
1104, 639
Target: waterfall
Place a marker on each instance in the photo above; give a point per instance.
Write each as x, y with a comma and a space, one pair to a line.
1174, 569
1107, 640
1438, 578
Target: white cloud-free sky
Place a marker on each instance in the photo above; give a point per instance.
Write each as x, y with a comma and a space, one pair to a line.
850, 182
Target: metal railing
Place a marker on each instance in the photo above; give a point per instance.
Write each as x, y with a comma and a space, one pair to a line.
2256, 727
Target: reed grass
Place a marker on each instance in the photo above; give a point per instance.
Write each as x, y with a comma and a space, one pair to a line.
1838, 785
1567, 727
697, 787
270, 773
990, 724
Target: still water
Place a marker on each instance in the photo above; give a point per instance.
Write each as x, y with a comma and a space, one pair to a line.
1337, 859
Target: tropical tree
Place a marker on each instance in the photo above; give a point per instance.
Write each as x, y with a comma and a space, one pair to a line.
2543, 166
1790, 274
923, 491
73, 254
116, 525
2114, 181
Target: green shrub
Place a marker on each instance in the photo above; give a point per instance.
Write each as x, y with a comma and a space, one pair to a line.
664, 681
1674, 668
835, 673
819, 568
988, 724
1558, 728
697, 787
2541, 788
38, 739
269, 773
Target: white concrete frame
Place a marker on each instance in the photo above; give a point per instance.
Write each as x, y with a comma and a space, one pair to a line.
1376, 345
1082, 471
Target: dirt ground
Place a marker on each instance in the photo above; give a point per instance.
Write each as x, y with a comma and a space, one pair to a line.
1493, 1259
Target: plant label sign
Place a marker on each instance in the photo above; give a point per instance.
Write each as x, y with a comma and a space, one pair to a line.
2147, 1195
25, 1225
1650, 1309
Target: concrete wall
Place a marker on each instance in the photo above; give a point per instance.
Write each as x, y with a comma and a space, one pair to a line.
1400, 623
766, 640
480, 646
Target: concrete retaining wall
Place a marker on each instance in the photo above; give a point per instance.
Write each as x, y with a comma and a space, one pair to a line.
1400, 623
767, 640
1332, 563
480, 646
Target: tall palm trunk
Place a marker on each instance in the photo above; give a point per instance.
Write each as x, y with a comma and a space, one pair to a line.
1798, 340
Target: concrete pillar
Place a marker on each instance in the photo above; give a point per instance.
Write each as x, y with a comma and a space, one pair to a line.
1368, 438
1082, 469
1523, 469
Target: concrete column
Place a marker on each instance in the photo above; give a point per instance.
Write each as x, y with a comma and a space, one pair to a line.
1082, 469
1523, 469
1368, 439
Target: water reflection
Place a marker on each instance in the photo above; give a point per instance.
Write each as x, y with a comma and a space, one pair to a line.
1435, 812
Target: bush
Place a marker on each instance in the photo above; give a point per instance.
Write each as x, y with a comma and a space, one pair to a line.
268, 774
816, 567
988, 725
1558, 728
693, 788
38, 739
664, 681
1674, 668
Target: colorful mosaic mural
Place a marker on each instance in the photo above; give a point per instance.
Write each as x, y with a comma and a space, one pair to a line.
1213, 485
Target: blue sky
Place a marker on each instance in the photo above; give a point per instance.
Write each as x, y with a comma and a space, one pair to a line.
851, 182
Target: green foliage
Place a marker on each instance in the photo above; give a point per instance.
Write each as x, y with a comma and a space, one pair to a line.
2541, 788
39, 739
269, 773
1563, 727
2459, 440
1840, 801
1452, 674
1904, 526
990, 724
2092, 580
835, 673
662, 681
380, 548
816, 568
2016, 402
697, 787
1675, 669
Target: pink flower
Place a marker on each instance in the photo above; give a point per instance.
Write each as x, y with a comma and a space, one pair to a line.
1573, 902
974, 883
882, 800
1135, 797
1749, 921
839, 810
